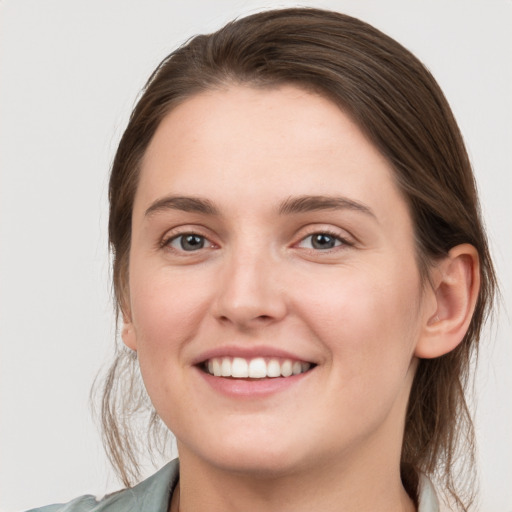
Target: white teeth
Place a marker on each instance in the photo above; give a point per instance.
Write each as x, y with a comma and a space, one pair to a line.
257, 368
273, 368
239, 368
286, 368
217, 368
225, 367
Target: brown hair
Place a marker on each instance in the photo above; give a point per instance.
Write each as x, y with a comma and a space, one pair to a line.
400, 107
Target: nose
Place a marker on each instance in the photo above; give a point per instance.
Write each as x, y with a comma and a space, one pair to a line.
250, 292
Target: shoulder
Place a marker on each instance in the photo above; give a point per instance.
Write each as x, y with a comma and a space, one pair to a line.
152, 494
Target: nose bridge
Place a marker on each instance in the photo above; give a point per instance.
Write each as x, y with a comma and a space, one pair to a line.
249, 290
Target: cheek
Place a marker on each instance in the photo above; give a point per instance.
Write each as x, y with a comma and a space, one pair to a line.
367, 316
166, 309
166, 312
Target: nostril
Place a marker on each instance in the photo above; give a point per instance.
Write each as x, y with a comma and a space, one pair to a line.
249, 310
257, 319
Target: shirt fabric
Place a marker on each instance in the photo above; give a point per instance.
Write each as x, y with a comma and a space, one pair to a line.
154, 494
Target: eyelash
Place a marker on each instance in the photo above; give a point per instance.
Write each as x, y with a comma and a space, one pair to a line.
167, 241
343, 242
339, 241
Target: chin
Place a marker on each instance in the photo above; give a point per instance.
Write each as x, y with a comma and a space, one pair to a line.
254, 458
258, 465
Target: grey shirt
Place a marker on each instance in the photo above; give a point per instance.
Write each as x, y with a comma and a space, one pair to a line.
154, 494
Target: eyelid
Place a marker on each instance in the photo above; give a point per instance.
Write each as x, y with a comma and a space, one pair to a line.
185, 230
206, 243
338, 242
342, 235
346, 239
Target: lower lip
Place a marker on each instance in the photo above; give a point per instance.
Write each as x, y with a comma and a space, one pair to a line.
244, 388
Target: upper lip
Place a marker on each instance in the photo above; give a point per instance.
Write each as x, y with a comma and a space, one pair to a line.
247, 353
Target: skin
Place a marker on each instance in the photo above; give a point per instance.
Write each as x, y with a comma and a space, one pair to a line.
358, 310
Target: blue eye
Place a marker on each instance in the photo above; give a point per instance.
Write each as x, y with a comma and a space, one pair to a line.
188, 242
320, 241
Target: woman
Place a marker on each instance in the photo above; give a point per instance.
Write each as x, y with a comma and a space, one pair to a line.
301, 271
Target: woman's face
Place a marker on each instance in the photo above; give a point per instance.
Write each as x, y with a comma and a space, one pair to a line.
269, 237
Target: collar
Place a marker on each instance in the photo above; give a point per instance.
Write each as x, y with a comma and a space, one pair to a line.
427, 498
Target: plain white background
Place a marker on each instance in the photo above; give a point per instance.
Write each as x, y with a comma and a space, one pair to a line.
70, 74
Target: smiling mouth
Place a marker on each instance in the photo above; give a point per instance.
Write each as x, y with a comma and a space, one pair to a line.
254, 368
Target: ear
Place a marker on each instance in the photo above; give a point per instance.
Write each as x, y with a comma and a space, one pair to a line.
455, 286
128, 332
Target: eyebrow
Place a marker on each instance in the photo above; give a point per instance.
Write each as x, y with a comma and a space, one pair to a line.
292, 205
303, 204
183, 203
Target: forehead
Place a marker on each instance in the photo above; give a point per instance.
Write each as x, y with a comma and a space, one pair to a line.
244, 142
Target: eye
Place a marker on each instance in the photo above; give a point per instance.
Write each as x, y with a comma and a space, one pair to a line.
321, 241
188, 242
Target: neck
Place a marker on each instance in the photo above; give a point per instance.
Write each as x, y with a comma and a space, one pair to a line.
328, 488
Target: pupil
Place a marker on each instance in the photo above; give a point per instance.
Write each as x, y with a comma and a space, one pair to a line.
323, 241
192, 242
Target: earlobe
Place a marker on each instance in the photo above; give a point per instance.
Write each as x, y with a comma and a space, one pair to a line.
455, 291
128, 333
